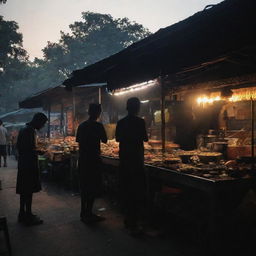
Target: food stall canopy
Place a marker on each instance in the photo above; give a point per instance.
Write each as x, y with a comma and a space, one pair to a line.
214, 35
38, 99
54, 95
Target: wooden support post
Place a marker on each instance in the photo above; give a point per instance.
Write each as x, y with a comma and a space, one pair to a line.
49, 121
74, 109
62, 118
99, 95
162, 113
252, 133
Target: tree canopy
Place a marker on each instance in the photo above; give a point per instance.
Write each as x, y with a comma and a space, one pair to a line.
95, 37
10, 43
13, 59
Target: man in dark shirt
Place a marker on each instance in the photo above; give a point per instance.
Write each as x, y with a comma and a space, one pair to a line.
28, 180
131, 133
89, 135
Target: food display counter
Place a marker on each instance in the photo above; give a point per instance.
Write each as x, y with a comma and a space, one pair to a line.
204, 164
57, 149
208, 178
59, 159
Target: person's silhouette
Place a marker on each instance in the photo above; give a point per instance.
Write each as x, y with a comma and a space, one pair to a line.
3, 143
89, 135
28, 180
131, 133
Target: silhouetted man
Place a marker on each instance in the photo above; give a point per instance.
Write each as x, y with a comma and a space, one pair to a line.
28, 179
131, 133
89, 136
3, 142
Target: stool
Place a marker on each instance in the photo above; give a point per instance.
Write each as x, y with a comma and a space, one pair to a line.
4, 227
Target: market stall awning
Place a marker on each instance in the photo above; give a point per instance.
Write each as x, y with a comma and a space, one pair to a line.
55, 95
14, 125
18, 115
93, 85
39, 99
214, 34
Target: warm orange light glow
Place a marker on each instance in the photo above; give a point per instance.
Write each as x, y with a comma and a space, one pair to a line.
242, 94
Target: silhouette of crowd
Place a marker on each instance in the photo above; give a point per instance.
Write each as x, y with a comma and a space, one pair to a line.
130, 133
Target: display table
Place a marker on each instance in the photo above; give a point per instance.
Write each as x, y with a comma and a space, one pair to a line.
208, 185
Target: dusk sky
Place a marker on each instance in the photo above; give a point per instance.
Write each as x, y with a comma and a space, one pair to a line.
42, 20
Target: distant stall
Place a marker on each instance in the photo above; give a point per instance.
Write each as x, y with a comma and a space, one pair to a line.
71, 106
65, 110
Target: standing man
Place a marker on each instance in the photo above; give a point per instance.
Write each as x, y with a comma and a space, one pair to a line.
131, 133
3, 142
28, 180
89, 136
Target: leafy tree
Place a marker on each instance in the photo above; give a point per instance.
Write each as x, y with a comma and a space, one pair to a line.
95, 37
10, 42
12, 58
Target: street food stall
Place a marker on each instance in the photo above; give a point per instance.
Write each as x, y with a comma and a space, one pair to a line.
213, 155
206, 77
223, 176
